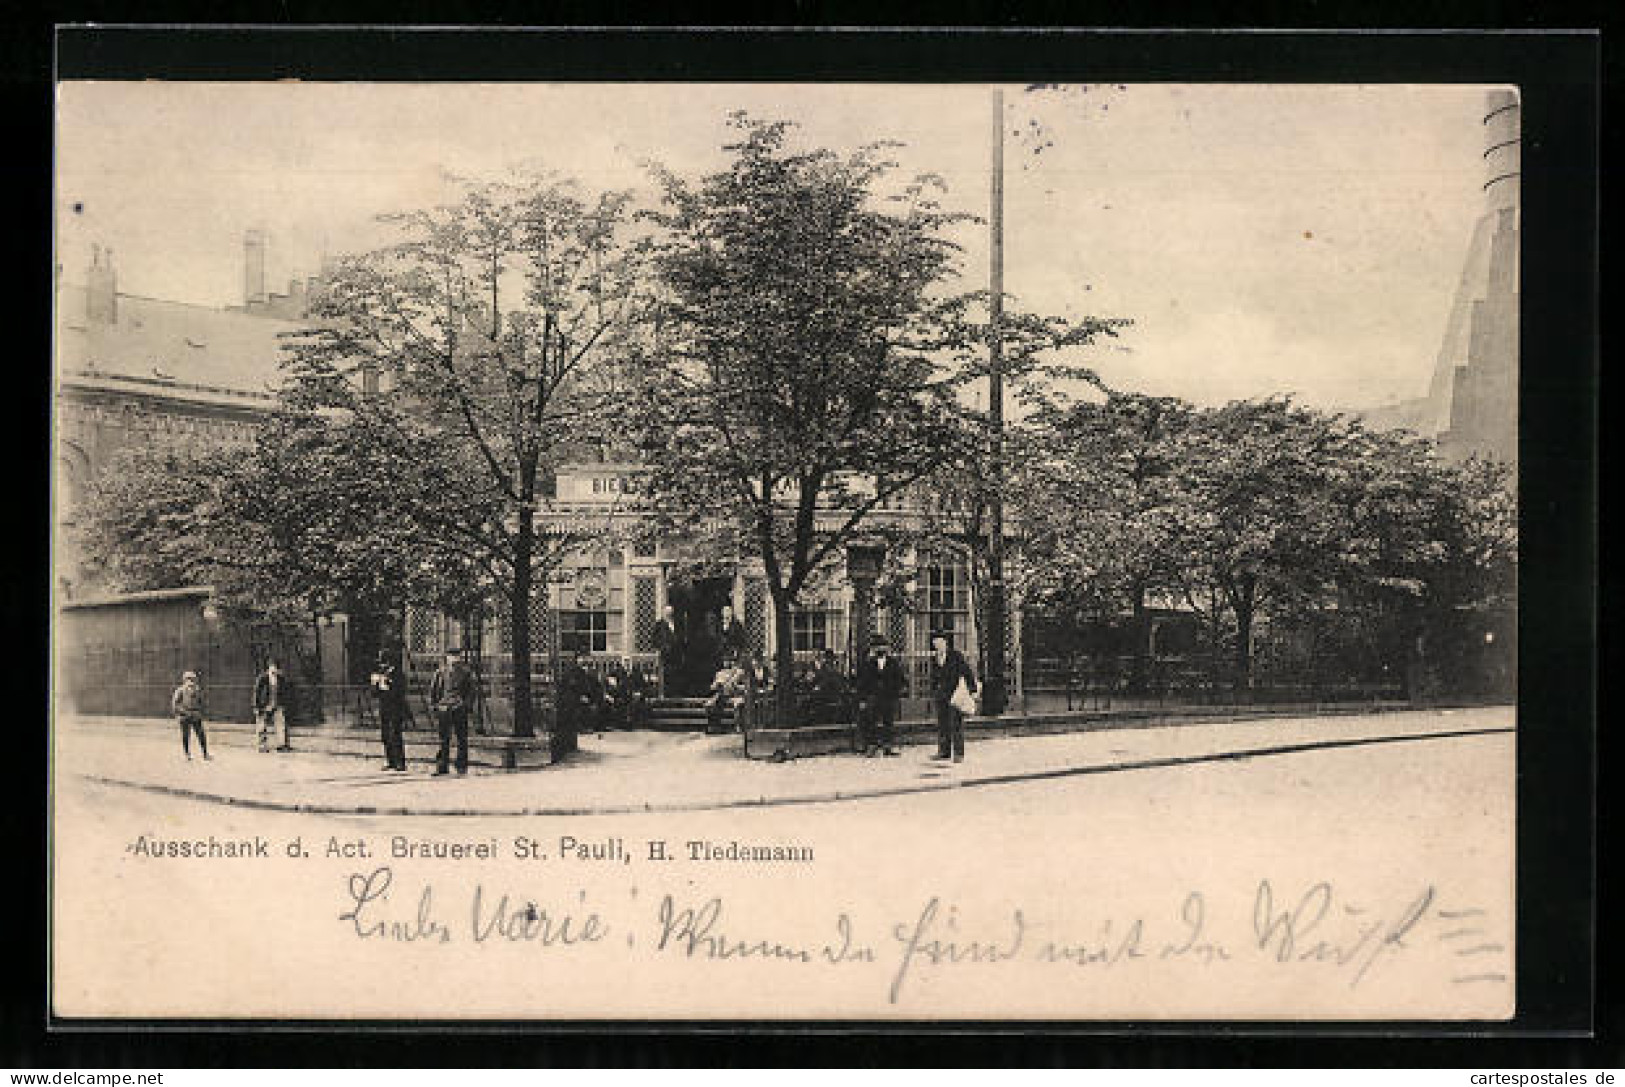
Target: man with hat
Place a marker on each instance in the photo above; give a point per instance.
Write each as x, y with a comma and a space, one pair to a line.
451, 693
948, 670
389, 688
880, 692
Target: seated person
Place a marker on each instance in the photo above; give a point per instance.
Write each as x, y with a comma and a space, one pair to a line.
616, 696
727, 692
831, 694
639, 689
579, 700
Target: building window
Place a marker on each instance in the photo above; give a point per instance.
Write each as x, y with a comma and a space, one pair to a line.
584, 631
809, 630
946, 597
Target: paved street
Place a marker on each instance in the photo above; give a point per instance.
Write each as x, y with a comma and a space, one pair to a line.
1243, 885
646, 771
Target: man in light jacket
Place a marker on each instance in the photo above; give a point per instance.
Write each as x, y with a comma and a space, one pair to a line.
451, 693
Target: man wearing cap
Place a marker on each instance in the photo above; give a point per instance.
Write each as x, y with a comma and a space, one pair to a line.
880, 692
389, 688
948, 670
451, 693
189, 705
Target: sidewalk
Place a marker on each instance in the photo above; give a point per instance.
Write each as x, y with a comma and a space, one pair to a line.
621, 772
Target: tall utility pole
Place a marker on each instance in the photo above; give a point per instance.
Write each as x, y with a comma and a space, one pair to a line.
993, 697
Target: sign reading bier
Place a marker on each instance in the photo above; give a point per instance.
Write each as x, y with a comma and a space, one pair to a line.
607, 484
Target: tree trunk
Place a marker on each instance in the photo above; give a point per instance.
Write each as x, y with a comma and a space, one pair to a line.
366, 639
1139, 681
784, 655
314, 707
524, 710
1244, 648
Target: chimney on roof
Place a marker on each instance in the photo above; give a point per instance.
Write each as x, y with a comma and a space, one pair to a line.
101, 296
254, 267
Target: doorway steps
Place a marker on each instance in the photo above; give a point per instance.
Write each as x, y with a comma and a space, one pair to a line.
682, 715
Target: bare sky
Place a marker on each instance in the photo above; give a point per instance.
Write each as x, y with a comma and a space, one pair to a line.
1263, 239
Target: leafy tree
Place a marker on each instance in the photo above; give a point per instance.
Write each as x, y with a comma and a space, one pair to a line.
169, 517
1259, 518
149, 520
809, 356
471, 358
1099, 501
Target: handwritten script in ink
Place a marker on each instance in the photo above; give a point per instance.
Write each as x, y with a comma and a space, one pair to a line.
1297, 927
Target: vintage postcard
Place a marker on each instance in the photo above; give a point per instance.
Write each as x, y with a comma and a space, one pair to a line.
874, 551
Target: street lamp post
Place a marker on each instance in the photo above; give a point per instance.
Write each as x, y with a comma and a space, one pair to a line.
993, 698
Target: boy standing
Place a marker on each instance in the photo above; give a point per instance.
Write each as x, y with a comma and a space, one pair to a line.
188, 705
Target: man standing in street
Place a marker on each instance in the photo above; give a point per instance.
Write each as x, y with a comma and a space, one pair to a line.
389, 688
271, 707
451, 693
665, 639
948, 670
880, 692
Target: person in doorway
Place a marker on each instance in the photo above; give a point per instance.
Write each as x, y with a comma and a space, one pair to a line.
189, 706
703, 652
271, 707
733, 638
451, 693
880, 693
949, 670
389, 688
665, 642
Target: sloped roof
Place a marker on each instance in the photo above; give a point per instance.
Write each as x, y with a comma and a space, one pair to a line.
187, 344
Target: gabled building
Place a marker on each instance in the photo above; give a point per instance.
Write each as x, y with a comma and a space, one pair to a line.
137, 371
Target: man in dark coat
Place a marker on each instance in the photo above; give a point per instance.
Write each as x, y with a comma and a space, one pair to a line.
389, 688
451, 693
948, 669
733, 638
665, 639
271, 704
880, 692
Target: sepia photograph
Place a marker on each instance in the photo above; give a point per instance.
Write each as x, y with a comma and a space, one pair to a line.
641, 551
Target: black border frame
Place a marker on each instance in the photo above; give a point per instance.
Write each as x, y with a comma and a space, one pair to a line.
1559, 75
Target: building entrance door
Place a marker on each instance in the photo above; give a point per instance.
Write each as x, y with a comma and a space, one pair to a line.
697, 614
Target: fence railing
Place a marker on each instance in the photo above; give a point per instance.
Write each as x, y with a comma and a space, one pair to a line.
1102, 682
